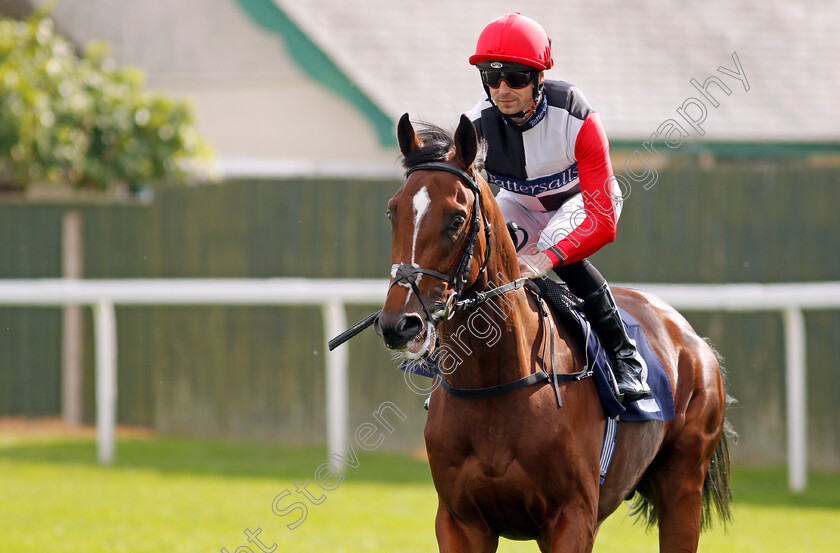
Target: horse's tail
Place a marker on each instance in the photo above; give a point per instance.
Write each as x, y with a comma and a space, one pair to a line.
716, 492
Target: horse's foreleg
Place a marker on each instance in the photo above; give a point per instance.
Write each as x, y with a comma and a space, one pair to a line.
454, 536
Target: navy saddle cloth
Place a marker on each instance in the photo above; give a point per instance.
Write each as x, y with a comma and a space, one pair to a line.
568, 308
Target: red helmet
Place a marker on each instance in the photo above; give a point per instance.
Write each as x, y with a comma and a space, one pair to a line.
514, 38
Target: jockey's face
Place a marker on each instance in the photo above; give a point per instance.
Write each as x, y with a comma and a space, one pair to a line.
513, 100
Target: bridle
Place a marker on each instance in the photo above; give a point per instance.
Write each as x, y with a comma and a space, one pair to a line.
404, 272
408, 273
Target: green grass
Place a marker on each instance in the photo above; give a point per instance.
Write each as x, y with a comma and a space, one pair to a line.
167, 495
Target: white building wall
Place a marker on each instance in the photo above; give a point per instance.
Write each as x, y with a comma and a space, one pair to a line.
250, 98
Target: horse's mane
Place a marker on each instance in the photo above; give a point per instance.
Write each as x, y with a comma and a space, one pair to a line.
437, 144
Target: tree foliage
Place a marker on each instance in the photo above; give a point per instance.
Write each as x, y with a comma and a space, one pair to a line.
82, 121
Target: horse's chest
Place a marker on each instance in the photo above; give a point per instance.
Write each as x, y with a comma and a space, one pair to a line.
511, 468
497, 489
502, 478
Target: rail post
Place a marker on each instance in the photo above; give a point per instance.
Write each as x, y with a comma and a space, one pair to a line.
335, 321
105, 327
797, 435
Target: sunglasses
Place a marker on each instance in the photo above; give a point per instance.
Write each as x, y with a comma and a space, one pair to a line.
514, 79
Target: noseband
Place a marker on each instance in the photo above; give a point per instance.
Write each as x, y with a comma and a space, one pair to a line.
458, 280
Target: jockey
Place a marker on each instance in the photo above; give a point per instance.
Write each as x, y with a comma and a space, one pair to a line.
549, 155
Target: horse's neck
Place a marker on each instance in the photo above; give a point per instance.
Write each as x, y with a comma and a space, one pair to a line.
494, 343
500, 340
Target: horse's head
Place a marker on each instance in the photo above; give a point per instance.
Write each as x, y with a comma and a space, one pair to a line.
439, 235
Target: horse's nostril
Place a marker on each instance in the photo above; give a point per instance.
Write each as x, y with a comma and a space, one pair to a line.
397, 332
409, 327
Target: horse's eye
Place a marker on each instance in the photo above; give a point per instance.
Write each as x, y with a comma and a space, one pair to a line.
388, 214
458, 222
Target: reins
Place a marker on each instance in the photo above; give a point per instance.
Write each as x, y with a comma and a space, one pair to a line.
535, 378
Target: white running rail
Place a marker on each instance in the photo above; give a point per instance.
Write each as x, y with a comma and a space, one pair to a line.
333, 294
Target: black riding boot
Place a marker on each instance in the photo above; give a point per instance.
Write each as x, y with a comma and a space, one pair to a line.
605, 319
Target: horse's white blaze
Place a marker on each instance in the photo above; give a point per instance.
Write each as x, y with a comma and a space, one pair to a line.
420, 202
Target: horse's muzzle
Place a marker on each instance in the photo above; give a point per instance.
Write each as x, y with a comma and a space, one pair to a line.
399, 330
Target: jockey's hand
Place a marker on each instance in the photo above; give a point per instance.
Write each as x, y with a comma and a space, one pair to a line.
535, 266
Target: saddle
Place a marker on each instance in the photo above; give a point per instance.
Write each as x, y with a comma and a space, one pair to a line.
568, 309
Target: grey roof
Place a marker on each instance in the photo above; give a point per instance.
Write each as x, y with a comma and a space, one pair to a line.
633, 60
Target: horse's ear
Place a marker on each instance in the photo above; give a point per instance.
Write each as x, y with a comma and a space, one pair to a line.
407, 138
466, 142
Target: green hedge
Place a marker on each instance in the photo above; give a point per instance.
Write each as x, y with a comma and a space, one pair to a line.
84, 122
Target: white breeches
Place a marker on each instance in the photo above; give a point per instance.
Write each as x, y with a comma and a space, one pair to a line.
544, 228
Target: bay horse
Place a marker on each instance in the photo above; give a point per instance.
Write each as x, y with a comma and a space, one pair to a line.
516, 464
